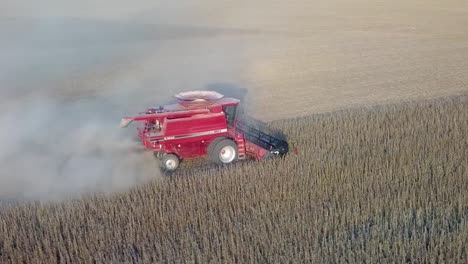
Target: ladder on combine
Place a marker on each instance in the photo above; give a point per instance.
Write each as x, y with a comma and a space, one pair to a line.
241, 151
262, 139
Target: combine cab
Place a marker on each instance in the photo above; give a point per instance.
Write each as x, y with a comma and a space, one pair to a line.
202, 123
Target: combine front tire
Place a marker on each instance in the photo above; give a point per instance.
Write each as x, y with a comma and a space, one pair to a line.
224, 152
169, 162
213, 144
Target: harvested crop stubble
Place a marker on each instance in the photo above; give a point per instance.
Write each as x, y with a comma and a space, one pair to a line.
374, 185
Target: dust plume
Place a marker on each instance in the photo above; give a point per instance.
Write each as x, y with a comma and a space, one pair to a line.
69, 72
57, 149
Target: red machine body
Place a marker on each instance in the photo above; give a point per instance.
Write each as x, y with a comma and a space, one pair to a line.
196, 126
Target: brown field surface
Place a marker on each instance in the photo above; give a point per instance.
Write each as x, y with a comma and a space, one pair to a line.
293, 58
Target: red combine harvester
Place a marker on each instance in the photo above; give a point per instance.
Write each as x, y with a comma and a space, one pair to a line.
202, 123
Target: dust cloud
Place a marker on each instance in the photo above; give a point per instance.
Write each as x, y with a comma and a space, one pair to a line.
70, 70
60, 149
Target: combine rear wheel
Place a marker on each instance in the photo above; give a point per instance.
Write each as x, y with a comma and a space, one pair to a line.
169, 162
224, 152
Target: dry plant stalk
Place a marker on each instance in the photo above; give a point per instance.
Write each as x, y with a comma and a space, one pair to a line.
385, 184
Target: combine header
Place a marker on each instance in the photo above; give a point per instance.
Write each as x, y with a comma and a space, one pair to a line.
202, 123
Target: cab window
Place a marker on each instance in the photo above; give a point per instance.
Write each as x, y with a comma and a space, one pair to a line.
230, 112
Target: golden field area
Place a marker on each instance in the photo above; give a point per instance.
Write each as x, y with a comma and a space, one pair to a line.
373, 94
386, 184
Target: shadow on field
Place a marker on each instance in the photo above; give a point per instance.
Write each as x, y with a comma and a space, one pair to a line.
238, 92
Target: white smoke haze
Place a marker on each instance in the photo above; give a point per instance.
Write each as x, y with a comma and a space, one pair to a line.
70, 69
53, 150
